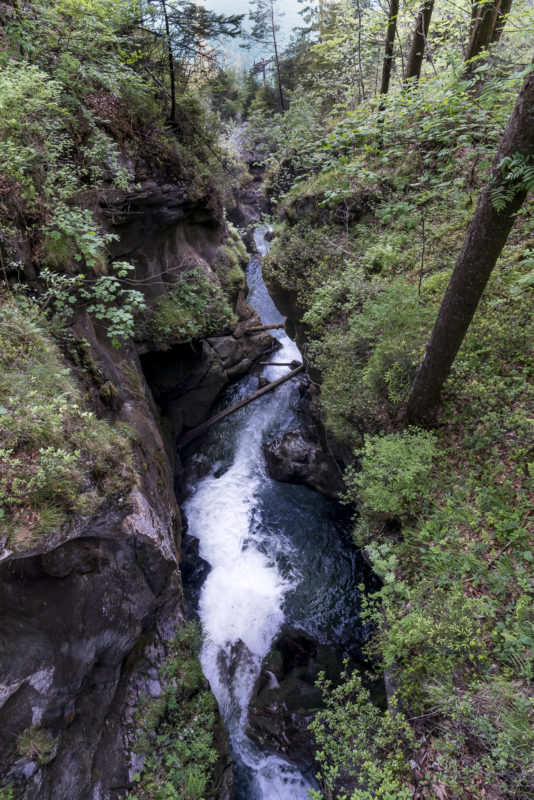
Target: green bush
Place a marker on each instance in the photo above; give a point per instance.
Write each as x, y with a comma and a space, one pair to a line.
370, 338
195, 306
177, 730
442, 631
359, 745
104, 298
36, 744
395, 472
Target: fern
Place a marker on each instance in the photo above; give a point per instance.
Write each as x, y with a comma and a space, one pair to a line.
517, 173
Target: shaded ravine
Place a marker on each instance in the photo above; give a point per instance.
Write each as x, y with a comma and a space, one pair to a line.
279, 555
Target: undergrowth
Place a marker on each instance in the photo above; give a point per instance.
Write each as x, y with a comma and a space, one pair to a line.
177, 731
58, 461
195, 306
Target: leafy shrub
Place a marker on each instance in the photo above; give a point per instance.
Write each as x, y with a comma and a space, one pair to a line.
394, 472
74, 236
195, 306
37, 148
368, 350
440, 631
104, 298
359, 745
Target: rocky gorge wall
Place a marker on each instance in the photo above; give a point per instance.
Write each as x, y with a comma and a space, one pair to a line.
87, 613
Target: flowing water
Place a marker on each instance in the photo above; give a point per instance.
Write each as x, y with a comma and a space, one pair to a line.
279, 555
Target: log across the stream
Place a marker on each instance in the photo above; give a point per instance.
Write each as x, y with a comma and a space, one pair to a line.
223, 414
258, 328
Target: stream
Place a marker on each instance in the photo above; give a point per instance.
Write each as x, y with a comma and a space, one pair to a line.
279, 556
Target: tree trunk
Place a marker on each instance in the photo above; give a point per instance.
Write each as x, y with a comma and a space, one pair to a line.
170, 59
417, 51
502, 18
258, 328
320, 12
485, 239
390, 41
360, 64
474, 18
277, 60
483, 29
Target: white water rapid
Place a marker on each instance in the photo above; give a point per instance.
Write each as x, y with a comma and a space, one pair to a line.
276, 556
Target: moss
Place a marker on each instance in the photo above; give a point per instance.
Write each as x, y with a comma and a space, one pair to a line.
90, 371
232, 259
59, 252
230, 271
36, 744
132, 379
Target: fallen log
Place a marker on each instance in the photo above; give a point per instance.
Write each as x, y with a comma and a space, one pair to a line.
189, 437
259, 328
293, 364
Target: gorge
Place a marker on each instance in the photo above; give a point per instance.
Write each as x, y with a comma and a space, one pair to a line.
266, 465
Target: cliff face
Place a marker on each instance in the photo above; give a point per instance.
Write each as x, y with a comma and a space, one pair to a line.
87, 612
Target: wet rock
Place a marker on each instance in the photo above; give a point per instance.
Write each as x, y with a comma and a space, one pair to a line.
154, 688
87, 612
163, 231
298, 457
194, 570
285, 697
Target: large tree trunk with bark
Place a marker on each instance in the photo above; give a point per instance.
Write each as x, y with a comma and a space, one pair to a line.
504, 10
474, 17
390, 43
486, 237
417, 50
483, 28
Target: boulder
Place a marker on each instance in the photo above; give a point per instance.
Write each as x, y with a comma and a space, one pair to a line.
297, 456
285, 697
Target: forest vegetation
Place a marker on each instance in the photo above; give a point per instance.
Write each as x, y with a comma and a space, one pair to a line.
397, 144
